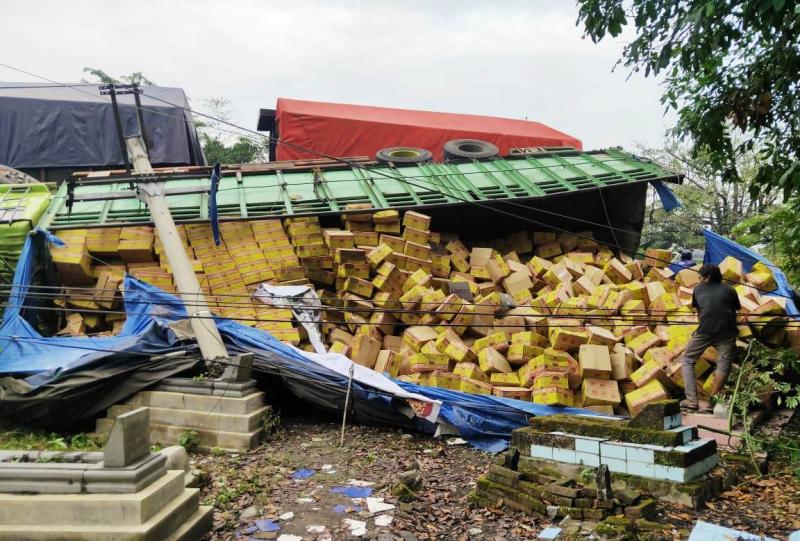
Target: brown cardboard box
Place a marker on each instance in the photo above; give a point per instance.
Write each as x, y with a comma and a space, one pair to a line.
600, 336
622, 362
600, 392
365, 350
595, 361
490, 360
416, 220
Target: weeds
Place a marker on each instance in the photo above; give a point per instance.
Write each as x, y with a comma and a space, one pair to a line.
189, 440
270, 422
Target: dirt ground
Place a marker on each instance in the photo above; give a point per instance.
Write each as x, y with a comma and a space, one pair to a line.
251, 491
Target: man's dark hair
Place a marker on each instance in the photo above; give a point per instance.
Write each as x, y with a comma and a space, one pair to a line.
686, 255
711, 272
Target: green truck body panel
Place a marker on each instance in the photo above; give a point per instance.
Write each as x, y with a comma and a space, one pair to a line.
328, 191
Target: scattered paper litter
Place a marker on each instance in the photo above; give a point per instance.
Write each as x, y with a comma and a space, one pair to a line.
358, 483
383, 520
305, 500
326, 467
314, 528
456, 441
357, 527
287, 516
377, 505
289, 537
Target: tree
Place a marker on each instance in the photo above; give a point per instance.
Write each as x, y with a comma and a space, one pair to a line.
729, 65
708, 201
222, 146
134, 78
776, 234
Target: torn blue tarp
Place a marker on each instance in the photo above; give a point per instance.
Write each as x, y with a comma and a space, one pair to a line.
718, 248
668, 198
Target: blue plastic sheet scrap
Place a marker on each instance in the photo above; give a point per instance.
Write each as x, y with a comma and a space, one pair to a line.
353, 492
303, 474
267, 525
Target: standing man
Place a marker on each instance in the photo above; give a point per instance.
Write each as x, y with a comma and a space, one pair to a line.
716, 304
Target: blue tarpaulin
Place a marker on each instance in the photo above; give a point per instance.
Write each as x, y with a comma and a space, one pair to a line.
668, 198
718, 248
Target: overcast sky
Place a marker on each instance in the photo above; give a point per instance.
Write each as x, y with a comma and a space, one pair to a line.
523, 59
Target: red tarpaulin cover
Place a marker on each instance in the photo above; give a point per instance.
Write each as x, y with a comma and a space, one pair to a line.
340, 130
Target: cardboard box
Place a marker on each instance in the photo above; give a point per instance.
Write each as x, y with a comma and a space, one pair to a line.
549, 379
416, 337
600, 392
416, 220
658, 258
491, 361
569, 340
595, 361
638, 399
499, 378
385, 216
622, 362
518, 393
475, 386
470, 370
553, 396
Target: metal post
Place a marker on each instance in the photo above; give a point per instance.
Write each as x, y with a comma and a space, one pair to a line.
140, 117
118, 121
205, 330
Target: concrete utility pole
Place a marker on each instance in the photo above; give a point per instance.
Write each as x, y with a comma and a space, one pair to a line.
152, 194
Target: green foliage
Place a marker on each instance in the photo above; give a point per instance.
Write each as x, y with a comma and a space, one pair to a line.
137, 77
219, 144
270, 422
728, 65
762, 373
708, 201
35, 440
189, 440
779, 231
243, 150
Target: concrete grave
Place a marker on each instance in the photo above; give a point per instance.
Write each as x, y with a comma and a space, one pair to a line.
129, 439
239, 369
79, 496
225, 414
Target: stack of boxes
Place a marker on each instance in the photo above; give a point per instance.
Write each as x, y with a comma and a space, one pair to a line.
557, 319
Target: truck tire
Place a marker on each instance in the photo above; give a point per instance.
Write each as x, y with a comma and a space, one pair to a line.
472, 149
403, 155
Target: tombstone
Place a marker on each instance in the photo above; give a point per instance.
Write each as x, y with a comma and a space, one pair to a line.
239, 369
603, 480
129, 440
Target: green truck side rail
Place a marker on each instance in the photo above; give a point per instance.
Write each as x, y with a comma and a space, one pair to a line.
328, 190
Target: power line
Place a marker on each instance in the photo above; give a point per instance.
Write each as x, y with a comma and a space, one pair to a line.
381, 173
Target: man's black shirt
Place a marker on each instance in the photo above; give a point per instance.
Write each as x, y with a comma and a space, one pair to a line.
717, 304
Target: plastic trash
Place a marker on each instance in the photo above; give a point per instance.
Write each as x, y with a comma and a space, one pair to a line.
352, 492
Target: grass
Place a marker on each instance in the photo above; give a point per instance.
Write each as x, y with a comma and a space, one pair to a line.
12, 438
